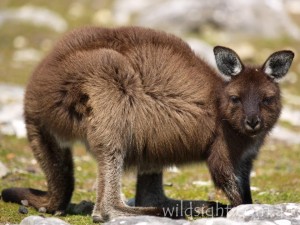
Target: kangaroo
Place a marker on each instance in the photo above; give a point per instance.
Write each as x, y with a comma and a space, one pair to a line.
140, 98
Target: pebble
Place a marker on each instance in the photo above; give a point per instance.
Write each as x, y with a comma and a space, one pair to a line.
59, 213
23, 209
42, 210
25, 203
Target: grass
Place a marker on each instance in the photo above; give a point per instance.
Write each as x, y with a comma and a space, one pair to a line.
276, 178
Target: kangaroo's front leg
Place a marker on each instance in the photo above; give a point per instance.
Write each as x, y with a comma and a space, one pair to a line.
150, 192
243, 174
222, 169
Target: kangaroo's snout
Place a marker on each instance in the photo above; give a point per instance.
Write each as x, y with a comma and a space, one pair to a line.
252, 123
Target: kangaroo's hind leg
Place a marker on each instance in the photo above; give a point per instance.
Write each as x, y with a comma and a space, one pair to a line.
57, 164
109, 203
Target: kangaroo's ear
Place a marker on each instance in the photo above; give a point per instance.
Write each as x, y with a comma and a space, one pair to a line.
278, 64
228, 62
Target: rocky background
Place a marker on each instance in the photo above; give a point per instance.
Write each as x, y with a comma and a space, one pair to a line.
254, 28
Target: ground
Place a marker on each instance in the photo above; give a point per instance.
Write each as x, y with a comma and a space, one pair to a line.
275, 178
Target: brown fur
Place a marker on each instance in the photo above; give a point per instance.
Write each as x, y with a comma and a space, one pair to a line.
138, 98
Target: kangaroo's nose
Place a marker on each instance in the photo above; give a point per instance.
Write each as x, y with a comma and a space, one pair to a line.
252, 123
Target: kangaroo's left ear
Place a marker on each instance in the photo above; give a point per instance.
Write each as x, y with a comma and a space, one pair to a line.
278, 64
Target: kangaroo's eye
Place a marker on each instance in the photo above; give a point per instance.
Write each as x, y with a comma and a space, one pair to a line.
268, 100
235, 99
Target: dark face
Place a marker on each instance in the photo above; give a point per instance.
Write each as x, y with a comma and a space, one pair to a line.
251, 102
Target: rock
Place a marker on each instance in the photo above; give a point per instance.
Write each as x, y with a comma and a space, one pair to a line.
202, 183
34, 15
42, 210
279, 214
146, 220
293, 6
149, 220
173, 169
23, 210
255, 17
27, 55
83, 208
285, 135
25, 203
131, 202
218, 221
38, 220
60, 213
290, 115
3, 170
11, 110
204, 50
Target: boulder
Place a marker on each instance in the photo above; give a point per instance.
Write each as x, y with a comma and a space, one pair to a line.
38, 220
146, 220
256, 214
286, 213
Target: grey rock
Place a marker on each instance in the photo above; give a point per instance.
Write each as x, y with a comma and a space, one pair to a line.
83, 208
25, 203
221, 221
3, 170
146, 220
27, 55
23, 210
291, 116
60, 213
38, 16
42, 210
131, 202
11, 110
38, 220
285, 135
255, 17
149, 220
204, 50
280, 212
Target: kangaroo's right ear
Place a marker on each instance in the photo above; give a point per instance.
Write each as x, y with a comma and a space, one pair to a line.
228, 62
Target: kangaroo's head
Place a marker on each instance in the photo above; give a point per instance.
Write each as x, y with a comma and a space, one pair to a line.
250, 101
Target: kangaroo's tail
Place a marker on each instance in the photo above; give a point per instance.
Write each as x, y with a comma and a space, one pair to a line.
35, 198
